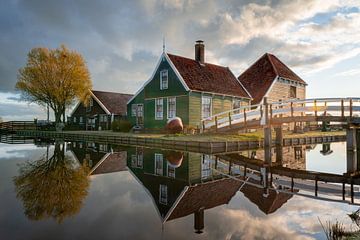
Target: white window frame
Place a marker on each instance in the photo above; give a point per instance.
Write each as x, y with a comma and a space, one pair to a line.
91, 104
235, 100
163, 194
158, 161
163, 73
206, 170
81, 120
162, 112
170, 171
202, 106
74, 119
168, 107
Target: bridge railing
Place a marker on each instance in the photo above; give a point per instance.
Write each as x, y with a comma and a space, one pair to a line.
341, 107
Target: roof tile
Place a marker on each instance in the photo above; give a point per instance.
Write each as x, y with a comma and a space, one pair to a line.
257, 79
208, 77
114, 102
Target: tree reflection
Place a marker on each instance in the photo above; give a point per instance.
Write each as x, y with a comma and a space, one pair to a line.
52, 187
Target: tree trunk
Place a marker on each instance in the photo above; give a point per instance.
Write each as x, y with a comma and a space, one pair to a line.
57, 116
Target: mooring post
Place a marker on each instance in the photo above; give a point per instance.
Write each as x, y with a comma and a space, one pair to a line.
267, 133
279, 135
351, 138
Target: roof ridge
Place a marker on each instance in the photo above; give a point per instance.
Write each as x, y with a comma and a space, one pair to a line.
92, 90
205, 63
272, 64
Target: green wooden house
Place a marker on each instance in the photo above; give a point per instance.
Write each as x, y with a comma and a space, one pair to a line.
191, 89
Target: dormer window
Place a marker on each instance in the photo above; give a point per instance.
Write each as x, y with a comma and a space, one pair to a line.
164, 79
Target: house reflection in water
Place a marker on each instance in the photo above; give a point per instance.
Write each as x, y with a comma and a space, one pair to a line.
101, 158
181, 184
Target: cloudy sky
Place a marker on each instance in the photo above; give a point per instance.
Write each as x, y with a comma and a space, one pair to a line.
121, 40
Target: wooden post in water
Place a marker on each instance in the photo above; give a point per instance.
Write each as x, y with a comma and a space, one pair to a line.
216, 123
267, 133
229, 119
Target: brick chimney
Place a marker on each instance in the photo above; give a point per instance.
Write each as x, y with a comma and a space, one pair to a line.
200, 51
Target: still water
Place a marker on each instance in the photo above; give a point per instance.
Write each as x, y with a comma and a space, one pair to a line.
85, 190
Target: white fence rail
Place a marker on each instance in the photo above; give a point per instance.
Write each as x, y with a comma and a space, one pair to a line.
337, 107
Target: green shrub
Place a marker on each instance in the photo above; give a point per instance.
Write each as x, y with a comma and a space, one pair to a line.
121, 126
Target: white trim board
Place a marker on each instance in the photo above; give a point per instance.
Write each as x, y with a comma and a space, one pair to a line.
163, 55
96, 99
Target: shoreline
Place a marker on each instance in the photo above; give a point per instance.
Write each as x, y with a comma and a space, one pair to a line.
179, 143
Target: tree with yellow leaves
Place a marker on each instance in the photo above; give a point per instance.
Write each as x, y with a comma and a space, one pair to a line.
52, 187
54, 78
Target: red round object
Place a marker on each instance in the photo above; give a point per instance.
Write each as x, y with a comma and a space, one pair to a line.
174, 158
174, 125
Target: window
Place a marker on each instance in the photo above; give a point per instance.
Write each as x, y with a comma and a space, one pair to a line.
159, 110
74, 119
206, 106
91, 103
163, 79
206, 167
133, 110
81, 119
236, 105
163, 194
292, 91
137, 159
171, 107
103, 118
170, 171
158, 164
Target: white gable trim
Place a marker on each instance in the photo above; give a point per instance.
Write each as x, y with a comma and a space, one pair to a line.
269, 89
241, 84
177, 73
100, 103
76, 107
96, 99
163, 55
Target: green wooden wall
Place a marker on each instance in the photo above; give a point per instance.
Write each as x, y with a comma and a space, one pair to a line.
188, 104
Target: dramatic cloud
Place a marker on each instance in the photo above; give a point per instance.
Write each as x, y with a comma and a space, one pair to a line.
122, 40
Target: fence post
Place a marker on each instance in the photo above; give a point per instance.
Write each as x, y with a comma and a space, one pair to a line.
315, 108
325, 108
230, 119
292, 109
245, 117
342, 107
203, 126
216, 123
351, 109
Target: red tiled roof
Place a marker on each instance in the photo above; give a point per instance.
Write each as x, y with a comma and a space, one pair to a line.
114, 102
208, 77
205, 195
115, 162
258, 78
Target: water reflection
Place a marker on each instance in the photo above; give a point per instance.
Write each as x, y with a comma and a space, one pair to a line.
53, 186
191, 191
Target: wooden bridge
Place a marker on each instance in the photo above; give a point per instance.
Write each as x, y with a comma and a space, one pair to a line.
341, 110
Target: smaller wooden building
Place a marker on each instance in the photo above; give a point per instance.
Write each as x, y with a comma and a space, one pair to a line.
102, 110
